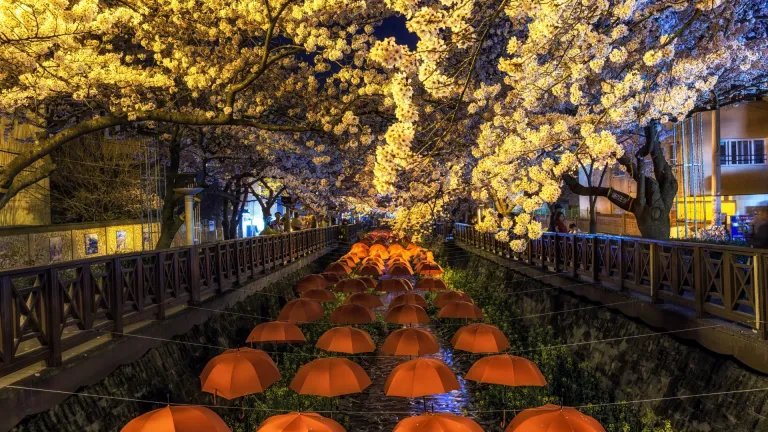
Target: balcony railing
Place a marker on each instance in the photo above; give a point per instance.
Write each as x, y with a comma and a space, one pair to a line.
709, 281
47, 310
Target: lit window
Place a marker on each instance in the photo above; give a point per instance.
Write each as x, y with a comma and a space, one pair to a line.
742, 152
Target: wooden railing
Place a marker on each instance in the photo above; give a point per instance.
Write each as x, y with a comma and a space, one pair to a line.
47, 310
710, 281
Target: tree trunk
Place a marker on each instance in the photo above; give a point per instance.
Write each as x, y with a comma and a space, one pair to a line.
655, 195
170, 220
592, 215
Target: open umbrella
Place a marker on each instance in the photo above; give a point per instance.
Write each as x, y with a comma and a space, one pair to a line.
366, 299
374, 260
313, 281
444, 298
301, 311
352, 314
408, 298
300, 422
506, 370
360, 246
430, 284
460, 309
338, 268
178, 419
553, 418
399, 271
430, 269
407, 314
330, 377
420, 377
239, 372
393, 285
276, 331
350, 285
331, 278
348, 261
437, 422
378, 249
479, 338
347, 340
369, 270
352, 257
369, 282
395, 247
410, 342
319, 295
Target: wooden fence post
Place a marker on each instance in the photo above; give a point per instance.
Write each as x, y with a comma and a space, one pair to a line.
193, 270
7, 328
53, 305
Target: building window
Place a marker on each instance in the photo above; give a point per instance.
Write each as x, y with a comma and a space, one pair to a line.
742, 152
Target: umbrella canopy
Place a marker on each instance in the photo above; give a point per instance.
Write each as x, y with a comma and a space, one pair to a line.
437, 422
369, 282
276, 331
360, 246
444, 298
338, 268
408, 298
407, 314
350, 285
506, 370
377, 249
374, 260
320, 295
479, 338
239, 372
313, 281
405, 255
330, 377
393, 285
430, 284
347, 340
395, 247
430, 269
301, 310
348, 261
178, 419
553, 418
399, 271
460, 309
352, 257
411, 342
295, 422
331, 278
352, 314
366, 299
369, 270
420, 377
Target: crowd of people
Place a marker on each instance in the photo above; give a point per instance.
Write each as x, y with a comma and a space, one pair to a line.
281, 224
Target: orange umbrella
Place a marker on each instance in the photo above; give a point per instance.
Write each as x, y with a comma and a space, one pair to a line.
383, 254
360, 246
411, 342
408, 298
369, 282
399, 260
369, 270
366, 299
399, 271
320, 295
239, 372
407, 314
348, 261
301, 310
346, 340
420, 377
352, 314
276, 331
395, 247
330, 377
437, 422
377, 248
430, 284
331, 278
444, 298
460, 309
506, 370
553, 418
350, 285
479, 338
353, 257
295, 422
178, 419
338, 268
393, 285
313, 281
431, 269
374, 260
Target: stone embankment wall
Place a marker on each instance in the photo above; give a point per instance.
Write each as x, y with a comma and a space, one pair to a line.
639, 368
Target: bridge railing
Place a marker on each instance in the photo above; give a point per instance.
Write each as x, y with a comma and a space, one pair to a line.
708, 280
47, 310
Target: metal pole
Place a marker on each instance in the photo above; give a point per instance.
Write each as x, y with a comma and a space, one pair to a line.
685, 183
677, 165
694, 178
715, 178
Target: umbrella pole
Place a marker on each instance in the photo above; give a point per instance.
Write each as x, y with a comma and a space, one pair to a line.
504, 404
